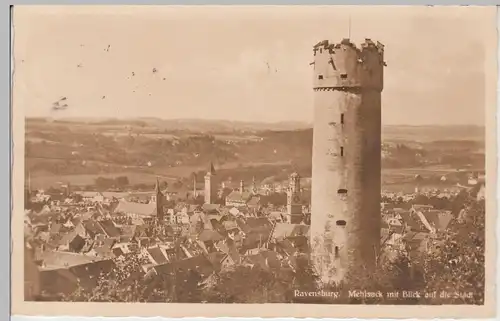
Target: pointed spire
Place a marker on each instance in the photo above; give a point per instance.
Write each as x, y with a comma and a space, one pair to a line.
212, 168
157, 187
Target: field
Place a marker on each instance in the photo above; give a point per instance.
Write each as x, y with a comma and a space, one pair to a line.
81, 151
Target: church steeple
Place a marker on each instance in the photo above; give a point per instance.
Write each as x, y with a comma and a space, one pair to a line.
159, 200
157, 186
211, 170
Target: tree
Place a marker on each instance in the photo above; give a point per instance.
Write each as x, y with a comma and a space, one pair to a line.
104, 183
125, 283
455, 262
245, 284
121, 181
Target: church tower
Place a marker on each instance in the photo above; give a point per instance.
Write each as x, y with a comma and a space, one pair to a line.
293, 202
158, 199
345, 195
210, 185
254, 186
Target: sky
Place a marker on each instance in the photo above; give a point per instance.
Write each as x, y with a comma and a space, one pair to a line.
212, 62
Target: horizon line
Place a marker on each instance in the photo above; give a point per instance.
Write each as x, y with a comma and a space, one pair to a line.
100, 119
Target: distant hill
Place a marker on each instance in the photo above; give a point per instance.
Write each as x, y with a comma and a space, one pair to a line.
177, 148
433, 132
194, 125
389, 132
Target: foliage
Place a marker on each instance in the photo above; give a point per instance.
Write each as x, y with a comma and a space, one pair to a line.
123, 284
455, 262
104, 183
245, 284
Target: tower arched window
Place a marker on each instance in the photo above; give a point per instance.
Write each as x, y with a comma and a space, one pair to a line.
342, 119
342, 193
341, 223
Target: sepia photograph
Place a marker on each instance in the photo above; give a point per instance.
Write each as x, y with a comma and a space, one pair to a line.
333, 160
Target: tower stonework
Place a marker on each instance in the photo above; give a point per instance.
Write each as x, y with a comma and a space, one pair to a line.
210, 185
293, 202
345, 200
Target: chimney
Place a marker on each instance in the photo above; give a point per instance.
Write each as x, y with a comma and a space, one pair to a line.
241, 187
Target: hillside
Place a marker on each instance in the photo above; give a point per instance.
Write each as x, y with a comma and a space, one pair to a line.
177, 148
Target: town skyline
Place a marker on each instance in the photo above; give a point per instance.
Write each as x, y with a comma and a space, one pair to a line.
124, 74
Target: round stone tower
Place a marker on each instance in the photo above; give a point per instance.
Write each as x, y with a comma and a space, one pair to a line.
346, 176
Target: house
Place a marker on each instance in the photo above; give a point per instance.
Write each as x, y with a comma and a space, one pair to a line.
136, 210
231, 258
282, 231
437, 220
254, 202
91, 197
255, 232
266, 260
110, 228
416, 241
238, 198
91, 229
198, 266
157, 255
210, 208
216, 258
52, 260
103, 248
431, 220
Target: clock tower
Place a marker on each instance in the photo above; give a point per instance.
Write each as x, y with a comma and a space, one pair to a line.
293, 202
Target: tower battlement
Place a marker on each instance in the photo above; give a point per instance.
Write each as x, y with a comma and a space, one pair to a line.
345, 66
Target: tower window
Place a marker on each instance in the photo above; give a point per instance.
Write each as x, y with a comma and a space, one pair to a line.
343, 76
341, 151
336, 252
341, 223
320, 77
320, 50
342, 119
342, 191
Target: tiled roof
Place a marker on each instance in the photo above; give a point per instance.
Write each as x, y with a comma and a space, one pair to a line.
110, 228
55, 259
157, 255
210, 207
88, 194
284, 230
93, 228
58, 281
254, 201
236, 196
414, 224
439, 219
216, 258
136, 208
253, 224
128, 230
200, 264
209, 235
88, 274
117, 195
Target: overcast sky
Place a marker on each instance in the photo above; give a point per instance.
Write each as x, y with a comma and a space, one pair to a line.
213, 62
